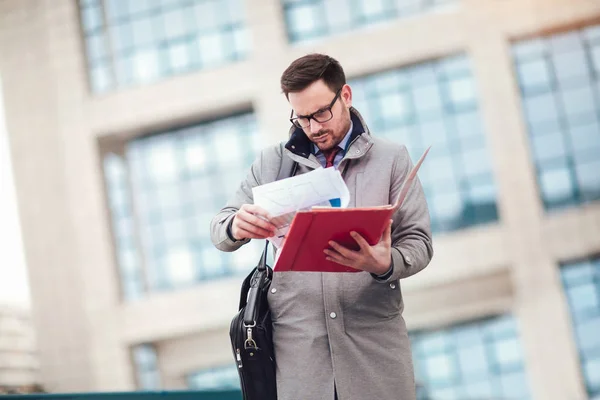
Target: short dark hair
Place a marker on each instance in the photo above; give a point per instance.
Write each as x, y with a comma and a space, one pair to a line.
305, 70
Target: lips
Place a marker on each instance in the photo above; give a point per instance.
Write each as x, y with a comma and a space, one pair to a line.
321, 139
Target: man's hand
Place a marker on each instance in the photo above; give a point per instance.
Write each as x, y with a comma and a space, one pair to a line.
248, 224
374, 259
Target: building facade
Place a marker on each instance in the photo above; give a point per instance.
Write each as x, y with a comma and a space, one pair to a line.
131, 122
19, 362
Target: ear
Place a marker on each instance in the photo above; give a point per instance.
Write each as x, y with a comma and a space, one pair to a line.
346, 95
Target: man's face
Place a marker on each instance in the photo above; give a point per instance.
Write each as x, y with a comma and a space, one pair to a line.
317, 97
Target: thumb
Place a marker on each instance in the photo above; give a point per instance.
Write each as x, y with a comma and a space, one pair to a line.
387, 234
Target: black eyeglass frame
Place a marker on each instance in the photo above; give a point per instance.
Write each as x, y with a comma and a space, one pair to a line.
294, 120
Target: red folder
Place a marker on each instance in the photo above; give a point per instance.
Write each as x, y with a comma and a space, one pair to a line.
312, 230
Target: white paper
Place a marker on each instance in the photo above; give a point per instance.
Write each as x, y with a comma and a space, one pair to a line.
283, 198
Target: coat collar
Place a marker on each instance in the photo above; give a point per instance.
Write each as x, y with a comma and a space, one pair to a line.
359, 143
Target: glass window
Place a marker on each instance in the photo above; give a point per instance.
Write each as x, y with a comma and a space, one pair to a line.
435, 104
139, 42
146, 367
311, 19
212, 379
560, 91
471, 361
581, 282
163, 193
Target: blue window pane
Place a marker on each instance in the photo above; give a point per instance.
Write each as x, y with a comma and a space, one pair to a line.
557, 186
592, 373
146, 367
468, 127
563, 116
91, 18
584, 297
305, 20
588, 179
374, 9
213, 379
116, 9
122, 37
462, 91
479, 390
587, 334
566, 41
174, 183
595, 54
571, 67
530, 49
535, 75
310, 19
577, 273
440, 369
150, 40
137, 7
549, 146
446, 394
143, 31
145, 65
475, 163
101, 79
508, 352
579, 105
96, 47
475, 360
338, 15
434, 104
435, 134
514, 386
395, 105
541, 109
582, 288
428, 100
585, 138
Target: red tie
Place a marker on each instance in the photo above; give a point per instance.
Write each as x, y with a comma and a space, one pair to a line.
330, 156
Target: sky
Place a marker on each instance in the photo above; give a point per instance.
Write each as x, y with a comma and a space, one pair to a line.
13, 275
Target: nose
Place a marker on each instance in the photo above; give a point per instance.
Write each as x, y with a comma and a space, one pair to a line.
315, 126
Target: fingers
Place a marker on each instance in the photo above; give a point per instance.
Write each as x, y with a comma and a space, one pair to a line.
244, 230
345, 252
361, 241
252, 222
256, 210
338, 258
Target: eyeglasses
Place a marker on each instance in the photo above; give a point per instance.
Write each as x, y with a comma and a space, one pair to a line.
322, 115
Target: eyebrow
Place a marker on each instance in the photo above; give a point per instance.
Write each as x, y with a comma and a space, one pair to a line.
305, 115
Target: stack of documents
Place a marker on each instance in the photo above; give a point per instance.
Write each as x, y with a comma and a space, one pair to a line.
323, 187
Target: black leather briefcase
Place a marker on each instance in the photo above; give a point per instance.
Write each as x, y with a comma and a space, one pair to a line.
251, 335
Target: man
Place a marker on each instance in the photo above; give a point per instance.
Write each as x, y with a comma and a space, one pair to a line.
338, 335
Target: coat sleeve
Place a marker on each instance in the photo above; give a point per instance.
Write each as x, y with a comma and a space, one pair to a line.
412, 248
220, 223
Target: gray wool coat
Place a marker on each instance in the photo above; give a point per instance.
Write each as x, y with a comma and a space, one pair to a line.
344, 329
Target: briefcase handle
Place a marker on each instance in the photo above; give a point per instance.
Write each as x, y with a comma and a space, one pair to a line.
254, 283
262, 265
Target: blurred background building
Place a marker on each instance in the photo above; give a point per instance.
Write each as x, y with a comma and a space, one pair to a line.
132, 121
19, 364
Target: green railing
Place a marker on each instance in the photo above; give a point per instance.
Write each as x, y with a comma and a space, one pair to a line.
161, 395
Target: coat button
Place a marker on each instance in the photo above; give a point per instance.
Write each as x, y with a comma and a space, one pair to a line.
273, 290
393, 285
333, 315
408, 260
